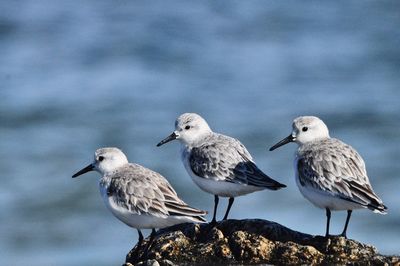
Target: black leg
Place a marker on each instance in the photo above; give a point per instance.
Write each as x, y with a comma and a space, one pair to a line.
328, 219
229, 208
140, 238
216, 200
153, 234
346, 224
149, 244
138, 245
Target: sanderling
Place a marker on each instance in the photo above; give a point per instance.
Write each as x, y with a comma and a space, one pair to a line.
218, 164
139, 197
330, 173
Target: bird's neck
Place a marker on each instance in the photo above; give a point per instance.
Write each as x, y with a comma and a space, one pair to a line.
198, 141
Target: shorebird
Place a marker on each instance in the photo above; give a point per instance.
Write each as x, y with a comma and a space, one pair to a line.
330, 173
218, 164
139, 197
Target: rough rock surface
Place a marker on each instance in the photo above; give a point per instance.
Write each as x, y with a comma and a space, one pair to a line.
252, 242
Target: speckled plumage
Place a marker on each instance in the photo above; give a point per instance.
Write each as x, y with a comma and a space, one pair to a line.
218, 164
222, 158
336, 168
330, 173
139, 197
143, 191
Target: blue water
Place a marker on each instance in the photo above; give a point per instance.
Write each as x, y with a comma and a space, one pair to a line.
76, 76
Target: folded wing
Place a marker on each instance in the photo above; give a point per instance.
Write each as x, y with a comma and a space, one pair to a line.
226, 159
338, 169
143, 191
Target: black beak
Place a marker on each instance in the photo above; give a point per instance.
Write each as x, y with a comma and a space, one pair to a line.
286, 140
88, 168
171, 137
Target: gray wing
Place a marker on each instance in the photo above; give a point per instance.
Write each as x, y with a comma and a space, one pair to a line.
143, 191
337, 168
226, 159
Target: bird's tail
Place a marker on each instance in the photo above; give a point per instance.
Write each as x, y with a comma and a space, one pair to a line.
381, 209
193, 214
365, 195
263, 180
256, 177
276, 185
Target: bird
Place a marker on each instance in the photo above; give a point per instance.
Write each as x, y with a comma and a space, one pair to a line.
218, 164
137, 196
328, 172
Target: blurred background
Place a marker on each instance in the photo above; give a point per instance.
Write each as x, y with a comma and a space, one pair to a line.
76, 76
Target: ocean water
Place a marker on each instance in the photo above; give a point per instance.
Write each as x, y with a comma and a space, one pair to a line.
76, 76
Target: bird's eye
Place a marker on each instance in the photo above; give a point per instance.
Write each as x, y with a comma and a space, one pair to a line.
101, 158
187, 127
304, 129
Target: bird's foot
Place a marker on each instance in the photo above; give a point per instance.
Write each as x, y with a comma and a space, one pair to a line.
213, 222
333, 236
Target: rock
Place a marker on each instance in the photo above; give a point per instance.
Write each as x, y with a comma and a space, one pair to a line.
252, 242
